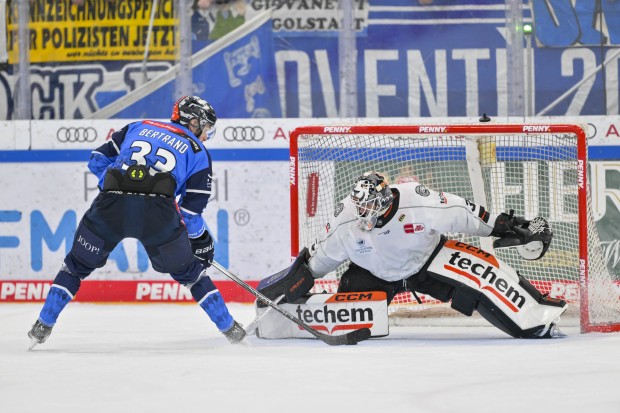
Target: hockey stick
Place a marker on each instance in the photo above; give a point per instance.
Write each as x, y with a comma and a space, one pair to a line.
353, 337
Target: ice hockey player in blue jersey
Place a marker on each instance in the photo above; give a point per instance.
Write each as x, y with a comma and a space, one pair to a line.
142, 171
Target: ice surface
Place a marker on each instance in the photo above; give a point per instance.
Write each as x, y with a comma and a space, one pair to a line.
170, 358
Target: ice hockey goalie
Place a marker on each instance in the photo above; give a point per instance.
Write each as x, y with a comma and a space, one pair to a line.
393, 237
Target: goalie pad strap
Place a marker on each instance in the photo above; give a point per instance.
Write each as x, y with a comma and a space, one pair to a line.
465, 300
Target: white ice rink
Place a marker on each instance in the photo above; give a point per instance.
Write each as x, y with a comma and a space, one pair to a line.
170, 358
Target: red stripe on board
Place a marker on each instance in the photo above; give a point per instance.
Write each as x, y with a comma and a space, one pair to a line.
94, 291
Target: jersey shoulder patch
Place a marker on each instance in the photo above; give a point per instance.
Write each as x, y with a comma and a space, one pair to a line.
422, 190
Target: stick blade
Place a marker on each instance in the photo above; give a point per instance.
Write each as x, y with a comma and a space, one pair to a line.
351, 338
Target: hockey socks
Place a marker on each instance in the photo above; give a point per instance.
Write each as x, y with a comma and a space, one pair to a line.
63, 290
210, 299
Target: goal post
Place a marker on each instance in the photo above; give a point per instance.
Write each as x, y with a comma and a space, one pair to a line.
535, 169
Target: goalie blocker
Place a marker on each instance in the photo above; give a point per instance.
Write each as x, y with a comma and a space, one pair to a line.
293, 282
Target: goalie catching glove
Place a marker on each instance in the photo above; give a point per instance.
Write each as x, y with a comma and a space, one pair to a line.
202, 247
531, 238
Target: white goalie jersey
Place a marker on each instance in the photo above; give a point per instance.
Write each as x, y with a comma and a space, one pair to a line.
403, 238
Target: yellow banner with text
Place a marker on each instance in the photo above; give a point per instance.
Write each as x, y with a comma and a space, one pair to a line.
86, 30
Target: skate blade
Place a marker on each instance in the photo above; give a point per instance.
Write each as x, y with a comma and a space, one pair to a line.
244, 343
556, 333
33, 343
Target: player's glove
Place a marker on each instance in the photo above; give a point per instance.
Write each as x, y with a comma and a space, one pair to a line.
202, 248
532, 238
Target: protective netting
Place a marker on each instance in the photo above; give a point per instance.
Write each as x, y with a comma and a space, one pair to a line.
534, 174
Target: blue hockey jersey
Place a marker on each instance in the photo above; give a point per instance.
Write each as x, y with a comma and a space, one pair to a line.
162, 147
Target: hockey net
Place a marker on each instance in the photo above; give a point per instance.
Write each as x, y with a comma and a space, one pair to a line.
537, 170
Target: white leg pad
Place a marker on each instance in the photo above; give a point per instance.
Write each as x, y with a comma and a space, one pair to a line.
333, 314
460, 263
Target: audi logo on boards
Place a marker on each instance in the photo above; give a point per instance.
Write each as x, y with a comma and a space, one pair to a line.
79, 134
244, 133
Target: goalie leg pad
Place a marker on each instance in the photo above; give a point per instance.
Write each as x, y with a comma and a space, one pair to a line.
333, 314
495, 316
542, 299
499, 319
293, 282
503, 297
465, 300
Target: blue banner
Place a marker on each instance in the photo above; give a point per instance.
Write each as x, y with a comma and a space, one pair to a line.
415, 58
448, 58
237, 79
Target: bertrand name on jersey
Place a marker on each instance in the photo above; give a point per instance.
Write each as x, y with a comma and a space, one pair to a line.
172, 141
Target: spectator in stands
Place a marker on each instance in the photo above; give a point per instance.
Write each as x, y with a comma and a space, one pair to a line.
230, 15
203, 19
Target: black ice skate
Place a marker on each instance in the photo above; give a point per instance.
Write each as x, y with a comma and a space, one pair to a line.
38, 334
235, 334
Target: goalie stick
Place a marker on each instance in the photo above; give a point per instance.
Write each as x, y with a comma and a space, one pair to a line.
353, 337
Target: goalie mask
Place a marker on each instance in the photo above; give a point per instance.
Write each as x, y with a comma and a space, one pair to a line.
193, 107
371, 197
